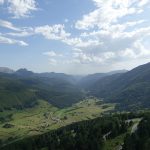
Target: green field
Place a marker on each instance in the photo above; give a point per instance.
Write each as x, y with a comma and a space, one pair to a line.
44, 117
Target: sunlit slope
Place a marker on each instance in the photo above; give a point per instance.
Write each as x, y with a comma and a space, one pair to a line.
44, 117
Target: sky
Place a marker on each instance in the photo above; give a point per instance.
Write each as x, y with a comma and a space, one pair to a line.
74, 36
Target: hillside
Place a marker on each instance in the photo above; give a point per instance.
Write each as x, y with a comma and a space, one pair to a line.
139, 139
24, 88
131, 90
128, 89
17, 124
89, 80
101, 133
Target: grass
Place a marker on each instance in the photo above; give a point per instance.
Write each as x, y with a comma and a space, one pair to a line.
45, 117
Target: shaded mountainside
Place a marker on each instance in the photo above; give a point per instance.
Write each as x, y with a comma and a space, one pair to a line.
21, 90
131, 88
91, 79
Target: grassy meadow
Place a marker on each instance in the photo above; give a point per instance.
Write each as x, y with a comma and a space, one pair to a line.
17, 124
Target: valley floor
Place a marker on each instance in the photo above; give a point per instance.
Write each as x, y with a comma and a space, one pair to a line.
44, 117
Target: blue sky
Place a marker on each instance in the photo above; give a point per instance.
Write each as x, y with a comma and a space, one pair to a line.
74, 36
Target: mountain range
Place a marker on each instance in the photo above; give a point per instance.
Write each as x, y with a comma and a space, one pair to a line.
22, 88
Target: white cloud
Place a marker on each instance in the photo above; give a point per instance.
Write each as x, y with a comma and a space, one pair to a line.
115, 43
117, 46
55, 32
5, 40
106, 37
143, 2
9, 25
19, 31
80, 43
21, 34
108, 12
20, 8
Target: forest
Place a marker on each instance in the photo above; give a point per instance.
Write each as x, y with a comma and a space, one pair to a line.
139, 140
84, 135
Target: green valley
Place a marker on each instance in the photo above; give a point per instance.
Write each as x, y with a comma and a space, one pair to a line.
45, 117
74, 74
45, 110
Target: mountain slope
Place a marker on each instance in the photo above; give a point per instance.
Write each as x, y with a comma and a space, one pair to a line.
131, 88
25, 88
89, 80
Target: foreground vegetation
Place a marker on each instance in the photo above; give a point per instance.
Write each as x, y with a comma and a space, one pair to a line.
140, 139
18, 124
94, 134
87, 125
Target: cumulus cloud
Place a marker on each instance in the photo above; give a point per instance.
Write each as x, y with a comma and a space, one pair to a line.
110, 11
105, 37
114, 43
58, 32
20, 8
115, 46
55, 32
115, 40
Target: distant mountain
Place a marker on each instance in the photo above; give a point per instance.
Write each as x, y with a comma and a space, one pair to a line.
130, 89
6, 70
89, 80
62, 76
116, 71
24, 73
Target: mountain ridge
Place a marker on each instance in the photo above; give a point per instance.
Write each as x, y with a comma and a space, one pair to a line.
62, 90
132, 87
